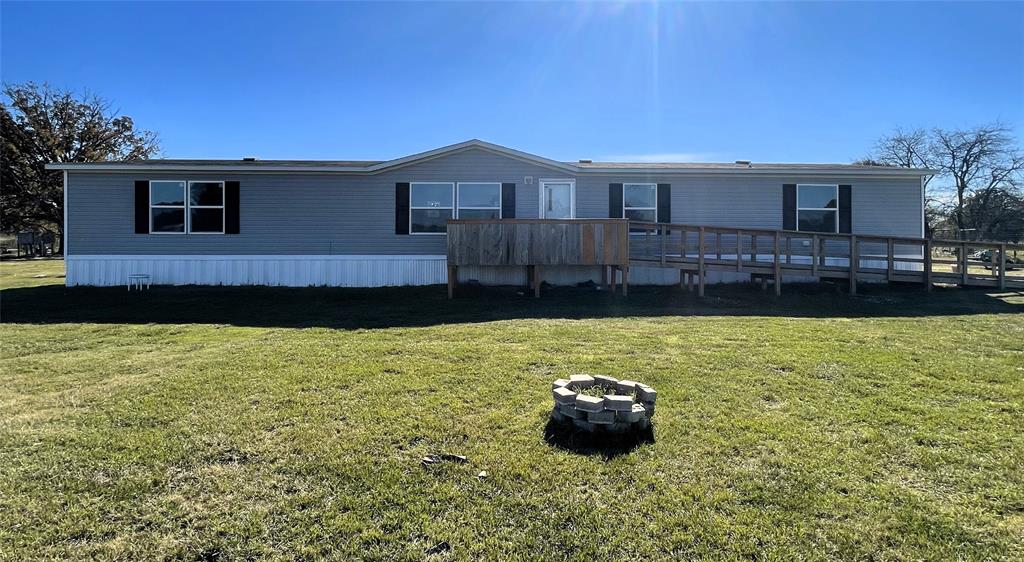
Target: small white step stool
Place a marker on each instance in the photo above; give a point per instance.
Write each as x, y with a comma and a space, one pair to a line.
137, 279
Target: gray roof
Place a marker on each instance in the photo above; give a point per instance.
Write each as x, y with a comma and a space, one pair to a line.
253, 163
375, 166
726, 166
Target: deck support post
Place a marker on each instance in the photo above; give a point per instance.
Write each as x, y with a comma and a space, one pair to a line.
700, 262
615, 278
536, 281
682, 279
604, 276
928, 265
453, 276
854, 263
1002, 266
625, 280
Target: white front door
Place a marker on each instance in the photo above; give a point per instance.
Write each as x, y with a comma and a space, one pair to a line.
557, 199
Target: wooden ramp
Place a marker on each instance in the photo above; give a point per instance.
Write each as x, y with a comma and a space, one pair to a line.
775, 255
770, 256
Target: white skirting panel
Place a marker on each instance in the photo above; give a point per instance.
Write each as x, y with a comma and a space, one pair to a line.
286, 271
359, 271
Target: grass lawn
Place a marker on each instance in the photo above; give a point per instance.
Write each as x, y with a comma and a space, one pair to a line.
204, 423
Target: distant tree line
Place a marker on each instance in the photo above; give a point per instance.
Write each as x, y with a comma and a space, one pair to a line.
40, 124
976, 192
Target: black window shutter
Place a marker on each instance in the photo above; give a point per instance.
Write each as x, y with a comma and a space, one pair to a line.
401, 208
141, 206
845, 210
615, 201
508, 200
232, 207
664, 202
789, 206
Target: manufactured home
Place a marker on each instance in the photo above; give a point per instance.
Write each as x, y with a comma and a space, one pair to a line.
413, 220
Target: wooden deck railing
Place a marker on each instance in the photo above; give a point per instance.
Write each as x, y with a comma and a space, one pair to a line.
533, 243
775, 254
768, 255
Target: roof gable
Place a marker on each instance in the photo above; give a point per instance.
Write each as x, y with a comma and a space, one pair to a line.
469, 145
583, 167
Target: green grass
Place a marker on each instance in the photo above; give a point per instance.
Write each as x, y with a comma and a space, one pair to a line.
199, 423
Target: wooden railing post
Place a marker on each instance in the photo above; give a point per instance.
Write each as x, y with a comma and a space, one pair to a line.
700, 262
664, 235
739, 250
778, 266
814, 255
963, 264
854, 262
1002, 266
928, 265
891, 256
789, 249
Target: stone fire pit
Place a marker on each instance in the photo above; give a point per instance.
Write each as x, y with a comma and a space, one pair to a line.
603, 404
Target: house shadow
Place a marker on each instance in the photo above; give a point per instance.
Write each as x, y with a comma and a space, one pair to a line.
350, 308
604, 444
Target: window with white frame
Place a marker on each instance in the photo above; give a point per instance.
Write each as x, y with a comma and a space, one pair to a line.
206, 207
431, 204
479, 200
640, 203
817, 208
167, 207
177, 207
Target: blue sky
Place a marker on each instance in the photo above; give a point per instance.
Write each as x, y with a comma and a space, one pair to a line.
767, 82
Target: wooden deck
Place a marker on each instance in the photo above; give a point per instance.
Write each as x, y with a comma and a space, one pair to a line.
534, 243
770, 256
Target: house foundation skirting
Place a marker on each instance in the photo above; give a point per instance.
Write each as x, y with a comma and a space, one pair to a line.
339, 271
270, 270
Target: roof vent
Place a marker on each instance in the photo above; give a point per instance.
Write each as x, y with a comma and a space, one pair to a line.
249, 159
743, 163
586, 161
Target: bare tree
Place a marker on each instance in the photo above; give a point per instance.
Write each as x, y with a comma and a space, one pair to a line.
978, 160
983, 165
909, 149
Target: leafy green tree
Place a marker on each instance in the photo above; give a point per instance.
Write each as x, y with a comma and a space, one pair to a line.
39, 125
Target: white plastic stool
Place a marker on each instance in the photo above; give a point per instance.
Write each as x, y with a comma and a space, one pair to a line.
136, 280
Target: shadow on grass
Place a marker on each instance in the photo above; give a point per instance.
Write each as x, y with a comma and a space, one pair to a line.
343, 308
608, 445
